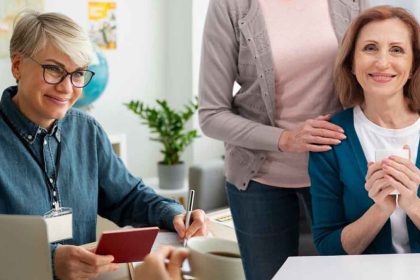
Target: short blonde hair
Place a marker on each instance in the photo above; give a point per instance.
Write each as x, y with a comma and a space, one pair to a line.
348, 89
34, 30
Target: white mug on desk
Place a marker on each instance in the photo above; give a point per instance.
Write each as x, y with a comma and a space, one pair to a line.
383, 154
212, 258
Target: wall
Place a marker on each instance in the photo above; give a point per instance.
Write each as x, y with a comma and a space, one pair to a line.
137, 71
204, 148
179, 58
153, 60
413, 6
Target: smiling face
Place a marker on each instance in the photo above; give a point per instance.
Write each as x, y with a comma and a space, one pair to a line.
383, 58
39, 101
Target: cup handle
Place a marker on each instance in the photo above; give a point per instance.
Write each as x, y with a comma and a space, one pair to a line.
186, 275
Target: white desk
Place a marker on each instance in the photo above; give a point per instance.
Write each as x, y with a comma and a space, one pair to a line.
362, 267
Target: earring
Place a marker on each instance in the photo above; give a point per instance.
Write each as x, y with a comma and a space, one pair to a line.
17, 77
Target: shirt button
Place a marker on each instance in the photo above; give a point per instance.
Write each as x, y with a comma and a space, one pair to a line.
51, 180
29, 137
45, 142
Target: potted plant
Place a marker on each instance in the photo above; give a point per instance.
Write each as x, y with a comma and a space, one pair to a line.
168, 126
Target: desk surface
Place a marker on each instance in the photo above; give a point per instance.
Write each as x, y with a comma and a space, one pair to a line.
361, 267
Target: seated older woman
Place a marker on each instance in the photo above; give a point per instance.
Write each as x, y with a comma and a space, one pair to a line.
58, 161
377, 74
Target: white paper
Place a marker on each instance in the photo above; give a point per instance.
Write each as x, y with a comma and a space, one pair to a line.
166, 238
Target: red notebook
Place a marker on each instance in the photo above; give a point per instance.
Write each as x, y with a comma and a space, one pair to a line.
127, 245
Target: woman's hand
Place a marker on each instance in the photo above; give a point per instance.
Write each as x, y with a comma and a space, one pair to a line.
379, 188
163, 264
316, 135
403, 176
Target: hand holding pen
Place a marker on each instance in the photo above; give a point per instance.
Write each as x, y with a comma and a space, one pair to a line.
192, 223
189, 211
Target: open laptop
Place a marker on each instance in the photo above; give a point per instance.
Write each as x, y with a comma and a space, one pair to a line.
24, 249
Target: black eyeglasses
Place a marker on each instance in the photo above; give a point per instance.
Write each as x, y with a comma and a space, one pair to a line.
54, 74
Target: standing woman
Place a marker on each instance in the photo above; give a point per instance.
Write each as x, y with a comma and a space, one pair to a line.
281, 53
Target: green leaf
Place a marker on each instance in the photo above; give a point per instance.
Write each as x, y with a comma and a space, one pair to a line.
167, 126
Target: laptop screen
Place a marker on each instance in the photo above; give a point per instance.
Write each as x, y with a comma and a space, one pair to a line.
25, 252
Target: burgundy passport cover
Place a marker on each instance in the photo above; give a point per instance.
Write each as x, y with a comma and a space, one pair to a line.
127, 245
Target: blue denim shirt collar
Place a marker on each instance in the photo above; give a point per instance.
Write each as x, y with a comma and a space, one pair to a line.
27, 129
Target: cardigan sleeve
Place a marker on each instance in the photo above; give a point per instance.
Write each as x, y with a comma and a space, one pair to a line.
218, 72
327, 203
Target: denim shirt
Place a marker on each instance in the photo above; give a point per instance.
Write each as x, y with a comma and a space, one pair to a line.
92, 179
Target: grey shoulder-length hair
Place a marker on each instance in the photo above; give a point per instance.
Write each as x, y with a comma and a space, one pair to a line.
34, 30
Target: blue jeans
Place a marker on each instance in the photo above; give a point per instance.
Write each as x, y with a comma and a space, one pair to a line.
266, 222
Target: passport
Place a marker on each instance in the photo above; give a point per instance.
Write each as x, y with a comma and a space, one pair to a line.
127, 245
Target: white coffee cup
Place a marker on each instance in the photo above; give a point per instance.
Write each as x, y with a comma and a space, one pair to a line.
383, 154
208, 260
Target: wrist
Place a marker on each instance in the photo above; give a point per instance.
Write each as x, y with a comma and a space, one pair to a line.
283, 141
382, 212
414, 209
53, 249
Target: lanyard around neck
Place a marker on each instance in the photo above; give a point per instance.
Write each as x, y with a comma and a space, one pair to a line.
50, 181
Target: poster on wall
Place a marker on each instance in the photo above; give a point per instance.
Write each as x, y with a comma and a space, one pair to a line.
9, 9
103, 24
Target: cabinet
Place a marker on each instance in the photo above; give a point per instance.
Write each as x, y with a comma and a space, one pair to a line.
119, 144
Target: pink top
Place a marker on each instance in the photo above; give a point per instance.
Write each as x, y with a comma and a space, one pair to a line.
304, 46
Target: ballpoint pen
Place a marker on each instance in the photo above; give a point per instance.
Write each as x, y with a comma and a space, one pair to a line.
188, 215
130, 267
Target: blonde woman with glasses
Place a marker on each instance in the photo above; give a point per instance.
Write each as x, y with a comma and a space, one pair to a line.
57, 161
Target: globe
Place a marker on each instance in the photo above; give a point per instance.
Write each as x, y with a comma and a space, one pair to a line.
98, 83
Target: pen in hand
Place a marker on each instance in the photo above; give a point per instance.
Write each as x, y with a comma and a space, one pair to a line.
188, 214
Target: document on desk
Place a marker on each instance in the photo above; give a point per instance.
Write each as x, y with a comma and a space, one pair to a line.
220, 224
166, 238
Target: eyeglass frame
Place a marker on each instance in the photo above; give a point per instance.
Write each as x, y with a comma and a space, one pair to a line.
44, 66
